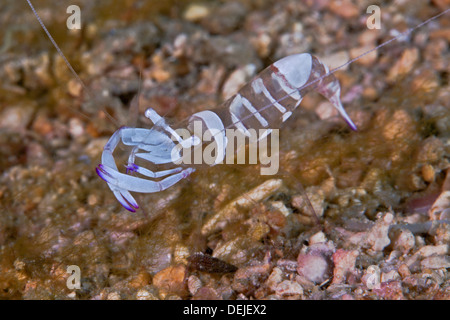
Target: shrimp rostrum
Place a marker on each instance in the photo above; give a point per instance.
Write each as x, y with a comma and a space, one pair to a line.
264, 103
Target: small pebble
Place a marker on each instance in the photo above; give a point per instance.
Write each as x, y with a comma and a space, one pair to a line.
430, 150
399, 126
391, 290
428, 251
143, 278
344, 8
181, 253
74, 87
194, 283
428, 173
145, 295
404, 240
436, 262
16, 118
196, 12
275, 278
250, 278
171, 280
439, 209
206, 293
318, 237
237, 79
344, 265
76, 128
113, 296
403, 270
315, 264
404, 65
315, 268
262, 44
389, 276
288, 287
281, 207
378, 237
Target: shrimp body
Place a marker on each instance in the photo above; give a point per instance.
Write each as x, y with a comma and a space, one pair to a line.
270, 98
264, 103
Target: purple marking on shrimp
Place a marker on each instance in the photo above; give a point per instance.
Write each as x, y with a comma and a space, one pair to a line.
100, 174
131, 168
351, 125
126, 204
103, 171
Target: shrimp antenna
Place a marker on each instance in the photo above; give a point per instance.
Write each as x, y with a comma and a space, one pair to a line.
56, 46
404, 33
64, 58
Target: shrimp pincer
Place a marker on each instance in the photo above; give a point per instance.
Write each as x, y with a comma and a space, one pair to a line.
157, 145
266, 103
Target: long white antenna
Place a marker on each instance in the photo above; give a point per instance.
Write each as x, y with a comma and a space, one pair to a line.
57, 47
67, 61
